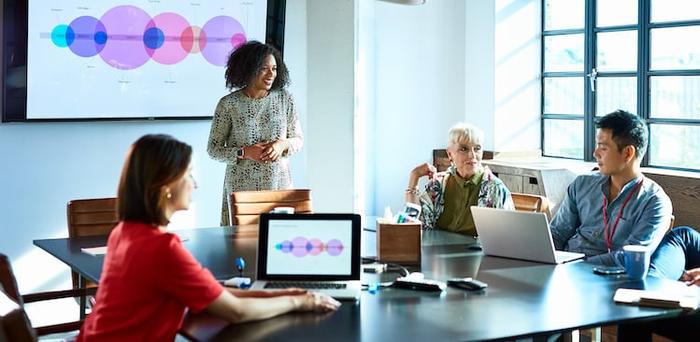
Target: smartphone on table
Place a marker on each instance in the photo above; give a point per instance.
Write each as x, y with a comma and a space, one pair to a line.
607, 270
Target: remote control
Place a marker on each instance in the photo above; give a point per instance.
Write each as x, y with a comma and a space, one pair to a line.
467, 284
421, 285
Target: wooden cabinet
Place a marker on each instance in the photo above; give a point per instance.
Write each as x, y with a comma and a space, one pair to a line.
539, 176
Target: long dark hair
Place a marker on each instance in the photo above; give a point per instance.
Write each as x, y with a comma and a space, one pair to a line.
152, 162
246, 61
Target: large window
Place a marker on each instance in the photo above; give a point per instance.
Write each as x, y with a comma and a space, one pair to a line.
642, 56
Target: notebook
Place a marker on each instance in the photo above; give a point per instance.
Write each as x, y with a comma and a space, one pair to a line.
318, 252
519, 235
658, 299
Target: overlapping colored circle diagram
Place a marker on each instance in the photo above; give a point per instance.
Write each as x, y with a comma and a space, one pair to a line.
126, 37
301, 246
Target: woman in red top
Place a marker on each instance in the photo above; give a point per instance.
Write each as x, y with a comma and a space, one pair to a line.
148, 277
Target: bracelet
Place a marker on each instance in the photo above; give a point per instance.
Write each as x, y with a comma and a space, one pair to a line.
412, 191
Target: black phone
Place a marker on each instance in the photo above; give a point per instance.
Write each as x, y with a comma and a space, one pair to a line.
468, 284
607, 270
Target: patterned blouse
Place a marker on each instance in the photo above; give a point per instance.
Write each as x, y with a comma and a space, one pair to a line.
493, 193
242, 121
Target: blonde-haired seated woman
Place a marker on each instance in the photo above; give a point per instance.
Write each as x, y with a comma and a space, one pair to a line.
448, 195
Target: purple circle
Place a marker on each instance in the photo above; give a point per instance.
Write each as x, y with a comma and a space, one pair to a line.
86, 28
334, 247
220, 32
299, 247
286, 246
124, 48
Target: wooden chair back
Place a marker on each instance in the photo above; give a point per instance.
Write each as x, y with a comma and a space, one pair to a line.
245, 207
89, 217
529, 202
440, 160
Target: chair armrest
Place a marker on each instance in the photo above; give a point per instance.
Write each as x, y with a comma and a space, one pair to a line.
49, 295
58, 328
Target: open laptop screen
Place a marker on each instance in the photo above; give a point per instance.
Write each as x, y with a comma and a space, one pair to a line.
309, 246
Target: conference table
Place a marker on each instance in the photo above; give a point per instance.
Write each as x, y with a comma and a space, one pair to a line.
523, 299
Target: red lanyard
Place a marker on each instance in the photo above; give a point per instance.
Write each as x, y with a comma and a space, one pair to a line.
609, 235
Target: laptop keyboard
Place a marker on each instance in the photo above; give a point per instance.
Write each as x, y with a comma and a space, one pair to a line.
306, 285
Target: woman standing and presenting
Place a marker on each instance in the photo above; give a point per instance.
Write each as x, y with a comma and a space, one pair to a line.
148, 277
256, 127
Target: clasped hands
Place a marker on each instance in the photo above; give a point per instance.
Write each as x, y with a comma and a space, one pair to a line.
265, 152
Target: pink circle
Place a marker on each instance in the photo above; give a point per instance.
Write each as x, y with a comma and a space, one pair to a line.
191, 39
125, 26
316, 246
237, 40
334, 247
172, 25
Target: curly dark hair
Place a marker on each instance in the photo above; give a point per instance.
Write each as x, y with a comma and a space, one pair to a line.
246, 61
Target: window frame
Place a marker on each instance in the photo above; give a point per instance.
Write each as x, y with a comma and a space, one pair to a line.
643, 75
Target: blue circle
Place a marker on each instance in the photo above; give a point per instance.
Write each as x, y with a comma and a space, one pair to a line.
153, 38
62, 35
100, 37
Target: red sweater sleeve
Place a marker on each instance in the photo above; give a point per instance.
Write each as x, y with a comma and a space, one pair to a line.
184, 278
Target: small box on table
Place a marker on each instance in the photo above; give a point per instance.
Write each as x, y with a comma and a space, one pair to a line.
399, 242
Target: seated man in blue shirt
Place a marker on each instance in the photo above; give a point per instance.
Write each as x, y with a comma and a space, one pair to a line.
616, 206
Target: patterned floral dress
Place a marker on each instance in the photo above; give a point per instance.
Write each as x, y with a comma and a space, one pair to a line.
493, 193
242, 121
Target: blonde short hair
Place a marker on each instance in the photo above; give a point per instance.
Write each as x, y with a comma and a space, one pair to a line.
464, 133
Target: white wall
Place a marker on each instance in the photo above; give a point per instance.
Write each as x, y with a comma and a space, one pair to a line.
331, 91
444, 62
377, 84
517, 75
45, 165
479, 73
366, 91
420, 87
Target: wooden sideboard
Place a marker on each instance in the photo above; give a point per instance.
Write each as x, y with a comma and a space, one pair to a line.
534, 176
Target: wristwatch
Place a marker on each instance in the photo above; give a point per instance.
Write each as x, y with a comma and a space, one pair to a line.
240, 153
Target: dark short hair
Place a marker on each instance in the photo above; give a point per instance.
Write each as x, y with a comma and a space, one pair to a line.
152, 162
245, 62
627, 129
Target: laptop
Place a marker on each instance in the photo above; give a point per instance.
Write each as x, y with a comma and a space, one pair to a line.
318, 252
518, 235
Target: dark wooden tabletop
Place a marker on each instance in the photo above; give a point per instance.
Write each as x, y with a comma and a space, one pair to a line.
522, 298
